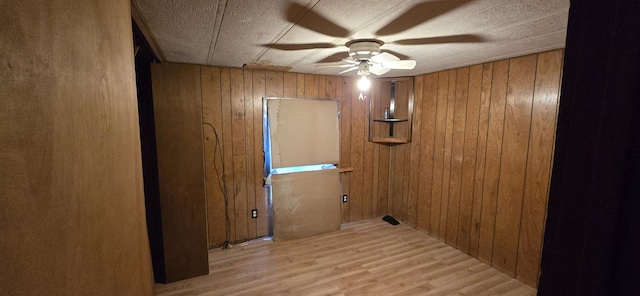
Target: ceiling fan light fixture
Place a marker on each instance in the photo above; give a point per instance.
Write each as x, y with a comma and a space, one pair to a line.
364, 83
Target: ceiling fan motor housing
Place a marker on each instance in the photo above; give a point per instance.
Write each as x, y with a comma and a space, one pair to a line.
363, 49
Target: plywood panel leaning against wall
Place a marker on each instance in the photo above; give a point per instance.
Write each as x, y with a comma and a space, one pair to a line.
486, 142
72, 220
179, 133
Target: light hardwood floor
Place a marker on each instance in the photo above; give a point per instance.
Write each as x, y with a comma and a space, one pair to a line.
368, 257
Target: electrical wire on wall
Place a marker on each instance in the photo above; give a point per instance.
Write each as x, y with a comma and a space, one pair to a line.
226, 244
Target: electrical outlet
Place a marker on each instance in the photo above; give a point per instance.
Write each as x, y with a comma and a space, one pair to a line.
254, 213
344, 198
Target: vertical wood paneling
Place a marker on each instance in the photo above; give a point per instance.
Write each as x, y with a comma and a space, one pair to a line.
330, 87
346, 88
383, 180
414, 157
259, 91
368, 165
438, 158
227, 148
536, 188
481, 152
250, 146
239, 190
492, 159
322, 87
357, 155
457, 154
300, 86
480, 164
212, 114
275, 84
475, 174
310, 86
448, 141
290, 85
427, 139
469, 160
515, 143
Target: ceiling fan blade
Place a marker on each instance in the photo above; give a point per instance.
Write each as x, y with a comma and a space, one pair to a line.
378, 70
464, 38
307, 18
350, 69
384, 57
419, 14
399, 55
299, 46
402, 64
334, 65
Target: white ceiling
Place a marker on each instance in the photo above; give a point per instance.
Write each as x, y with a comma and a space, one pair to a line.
237, 32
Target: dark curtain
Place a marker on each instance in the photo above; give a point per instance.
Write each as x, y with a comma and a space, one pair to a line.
592, 236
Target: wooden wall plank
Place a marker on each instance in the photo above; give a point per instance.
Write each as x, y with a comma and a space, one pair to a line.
383, 180
427, 139
368, 165
448, 142
515, 143
212, 125
227, 148
311, 87
250, 147
290, 85
239, 191
330, 87
469, 160
483, 124
322, 86
275, 86
439, 148
261, 193
457, 154
414, 157
300, 85
357, 155
405, 183
346, 87
374, 180
536, 190
492, 159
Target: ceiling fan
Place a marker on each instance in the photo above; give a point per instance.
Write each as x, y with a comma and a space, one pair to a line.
364, 55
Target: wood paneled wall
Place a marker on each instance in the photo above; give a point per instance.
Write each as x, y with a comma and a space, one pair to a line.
232, 109
476, 174
72, 217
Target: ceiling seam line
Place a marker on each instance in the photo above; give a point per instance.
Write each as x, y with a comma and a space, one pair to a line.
216, 31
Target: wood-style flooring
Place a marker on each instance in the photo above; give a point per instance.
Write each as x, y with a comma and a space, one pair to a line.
368, 257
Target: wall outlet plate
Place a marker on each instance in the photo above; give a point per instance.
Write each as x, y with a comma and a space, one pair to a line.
344, 198
254, 213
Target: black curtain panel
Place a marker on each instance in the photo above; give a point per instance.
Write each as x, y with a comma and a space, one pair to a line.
592, 236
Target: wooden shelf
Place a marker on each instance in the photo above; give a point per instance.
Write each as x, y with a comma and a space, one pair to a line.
389, 140
345, 170
391, 120
391, 111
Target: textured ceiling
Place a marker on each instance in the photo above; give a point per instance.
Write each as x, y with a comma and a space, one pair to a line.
283, 33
